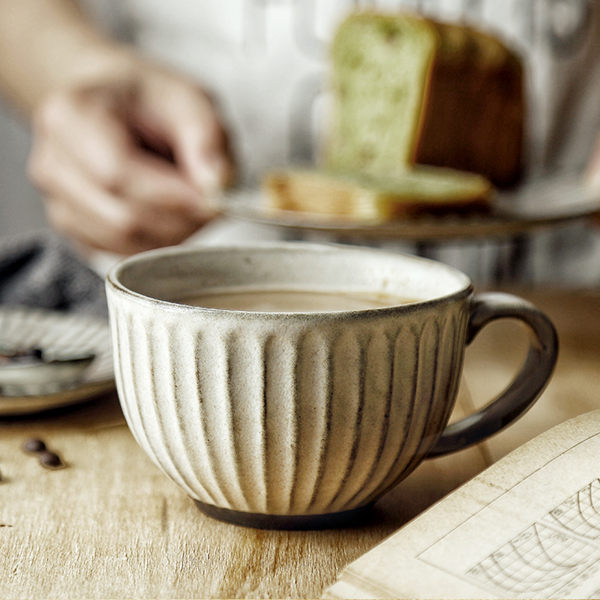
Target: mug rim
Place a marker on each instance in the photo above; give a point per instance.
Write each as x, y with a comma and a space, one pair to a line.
113, 282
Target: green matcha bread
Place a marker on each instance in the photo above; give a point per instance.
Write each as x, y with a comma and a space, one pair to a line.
410, 90
376, 198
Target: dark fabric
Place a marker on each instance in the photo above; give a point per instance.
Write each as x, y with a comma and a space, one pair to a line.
40, 269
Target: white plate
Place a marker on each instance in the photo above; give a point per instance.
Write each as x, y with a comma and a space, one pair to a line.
548, 202
25, 327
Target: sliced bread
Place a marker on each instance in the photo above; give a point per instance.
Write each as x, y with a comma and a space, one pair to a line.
374, 198
409, 90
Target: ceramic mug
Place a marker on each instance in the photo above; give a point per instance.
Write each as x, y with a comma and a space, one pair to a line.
303, 419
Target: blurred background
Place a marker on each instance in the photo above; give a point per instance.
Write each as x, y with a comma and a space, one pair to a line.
20, 204
21, 208
173, 35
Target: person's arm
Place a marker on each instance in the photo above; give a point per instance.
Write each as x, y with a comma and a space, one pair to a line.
126, 152
49, 45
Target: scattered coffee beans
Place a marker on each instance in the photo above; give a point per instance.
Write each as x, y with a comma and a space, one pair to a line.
46, 458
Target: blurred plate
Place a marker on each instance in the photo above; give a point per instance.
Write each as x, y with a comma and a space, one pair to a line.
60, 333
544, 203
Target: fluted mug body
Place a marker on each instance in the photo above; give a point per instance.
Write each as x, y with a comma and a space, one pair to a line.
285, 413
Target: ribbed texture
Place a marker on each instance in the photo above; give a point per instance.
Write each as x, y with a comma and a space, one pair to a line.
279, 418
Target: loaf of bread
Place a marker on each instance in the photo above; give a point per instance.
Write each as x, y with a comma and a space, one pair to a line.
409, 90
370, 198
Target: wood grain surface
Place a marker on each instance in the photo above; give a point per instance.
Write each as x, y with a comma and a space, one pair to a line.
112, 525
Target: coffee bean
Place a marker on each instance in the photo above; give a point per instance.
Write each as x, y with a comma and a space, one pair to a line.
34, 445
50, 460
46, 458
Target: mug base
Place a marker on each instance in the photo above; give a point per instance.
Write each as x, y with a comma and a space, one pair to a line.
347, 518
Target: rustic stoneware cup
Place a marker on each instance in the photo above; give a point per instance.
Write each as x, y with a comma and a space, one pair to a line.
303, 420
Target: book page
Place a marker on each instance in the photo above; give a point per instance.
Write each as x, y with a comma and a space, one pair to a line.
527, 527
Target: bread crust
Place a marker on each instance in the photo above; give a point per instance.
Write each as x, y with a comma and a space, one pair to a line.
473, 118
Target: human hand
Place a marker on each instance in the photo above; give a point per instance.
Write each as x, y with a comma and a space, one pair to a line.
128, 161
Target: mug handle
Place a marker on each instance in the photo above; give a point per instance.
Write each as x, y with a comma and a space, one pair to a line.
527, 385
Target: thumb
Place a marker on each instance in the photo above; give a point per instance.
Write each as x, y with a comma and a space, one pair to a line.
202, 151
189, 121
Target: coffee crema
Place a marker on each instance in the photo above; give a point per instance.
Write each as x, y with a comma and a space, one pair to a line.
301, 301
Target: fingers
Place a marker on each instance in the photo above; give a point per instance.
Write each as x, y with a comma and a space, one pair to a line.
104, 187
82, 209
154, 182
181, 113
126, 238
90, 127
83, 124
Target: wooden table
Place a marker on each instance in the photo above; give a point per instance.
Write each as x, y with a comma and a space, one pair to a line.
111, 525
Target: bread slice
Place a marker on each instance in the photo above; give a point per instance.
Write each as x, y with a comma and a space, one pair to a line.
366, 198
380, 69
410, 90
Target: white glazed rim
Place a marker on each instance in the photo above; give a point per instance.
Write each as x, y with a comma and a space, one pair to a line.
113, 279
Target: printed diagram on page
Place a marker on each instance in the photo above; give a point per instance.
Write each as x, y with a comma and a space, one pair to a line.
552, 553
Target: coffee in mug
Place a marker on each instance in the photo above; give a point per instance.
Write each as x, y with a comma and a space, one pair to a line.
300, 300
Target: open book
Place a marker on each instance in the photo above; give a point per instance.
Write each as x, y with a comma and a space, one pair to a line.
527, 527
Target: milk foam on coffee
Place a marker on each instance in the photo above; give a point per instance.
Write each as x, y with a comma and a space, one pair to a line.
293, 300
